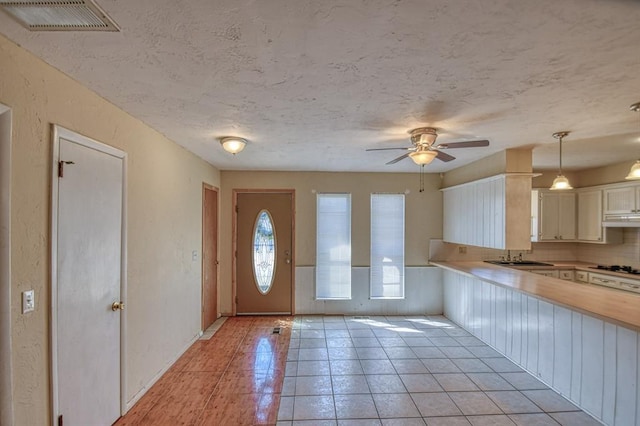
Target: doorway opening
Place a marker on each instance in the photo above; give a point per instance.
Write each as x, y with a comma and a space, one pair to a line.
6, 372
263, 271
209, 255
88, 280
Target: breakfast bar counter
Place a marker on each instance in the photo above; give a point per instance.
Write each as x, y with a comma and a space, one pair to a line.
612, 305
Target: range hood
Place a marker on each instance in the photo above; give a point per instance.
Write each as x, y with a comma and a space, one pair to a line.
629, 220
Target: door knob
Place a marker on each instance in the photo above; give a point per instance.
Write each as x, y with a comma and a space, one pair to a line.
117, 306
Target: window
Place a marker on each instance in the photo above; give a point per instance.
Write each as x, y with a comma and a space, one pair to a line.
333, 246
387, 246
264, 252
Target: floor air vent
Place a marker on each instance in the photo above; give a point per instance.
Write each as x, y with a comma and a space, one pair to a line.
361, 317
59, 15
277, 330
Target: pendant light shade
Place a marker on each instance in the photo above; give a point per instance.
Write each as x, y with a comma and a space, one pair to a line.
634, 173
423, 157
560, 182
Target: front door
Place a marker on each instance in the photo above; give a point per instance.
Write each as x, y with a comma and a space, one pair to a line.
209, 255
88, 203
264, 247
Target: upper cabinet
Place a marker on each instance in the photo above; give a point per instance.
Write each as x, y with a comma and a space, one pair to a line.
491, 212
622, 200
590, 212
553, 215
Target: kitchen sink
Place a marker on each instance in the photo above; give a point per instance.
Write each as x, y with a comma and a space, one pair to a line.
518, 263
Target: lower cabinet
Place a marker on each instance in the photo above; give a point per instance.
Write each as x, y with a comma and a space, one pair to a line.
546, 272
563, 274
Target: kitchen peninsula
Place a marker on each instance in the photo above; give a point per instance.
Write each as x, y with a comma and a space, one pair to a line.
609, 304
580, 339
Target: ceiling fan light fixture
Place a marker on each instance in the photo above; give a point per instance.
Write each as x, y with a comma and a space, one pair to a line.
232, 144
560, 182
423, 157
634, 173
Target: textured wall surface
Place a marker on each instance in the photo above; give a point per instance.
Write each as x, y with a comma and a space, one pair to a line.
164, 226
423, 213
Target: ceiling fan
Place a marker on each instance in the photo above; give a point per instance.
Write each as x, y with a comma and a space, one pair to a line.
424, 151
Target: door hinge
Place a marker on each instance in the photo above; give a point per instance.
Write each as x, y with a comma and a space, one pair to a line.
236, 300
61, 167
237, 209
60, 421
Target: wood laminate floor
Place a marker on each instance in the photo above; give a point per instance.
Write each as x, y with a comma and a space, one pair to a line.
234, 378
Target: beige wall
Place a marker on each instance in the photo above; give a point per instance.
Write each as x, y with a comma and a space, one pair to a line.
508, 161
423, 212
164, 226
613, 173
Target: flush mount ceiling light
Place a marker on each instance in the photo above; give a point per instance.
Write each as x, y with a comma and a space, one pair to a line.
634, 173
233, 144
560, 182
59, 15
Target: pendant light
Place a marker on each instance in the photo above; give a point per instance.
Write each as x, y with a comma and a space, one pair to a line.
560, 182
634, 173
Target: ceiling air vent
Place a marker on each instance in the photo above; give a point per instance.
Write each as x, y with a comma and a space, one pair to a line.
80, 15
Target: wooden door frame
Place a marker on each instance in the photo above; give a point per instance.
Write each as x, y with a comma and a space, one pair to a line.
6, 371
234, 242
59, 132
207, 187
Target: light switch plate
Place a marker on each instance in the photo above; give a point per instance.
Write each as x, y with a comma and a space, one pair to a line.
28, 301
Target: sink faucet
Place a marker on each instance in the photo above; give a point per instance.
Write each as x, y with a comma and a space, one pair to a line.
520, 257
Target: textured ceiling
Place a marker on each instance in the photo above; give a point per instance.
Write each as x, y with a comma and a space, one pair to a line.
312, 84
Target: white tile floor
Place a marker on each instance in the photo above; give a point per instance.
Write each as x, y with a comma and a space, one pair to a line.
409, 371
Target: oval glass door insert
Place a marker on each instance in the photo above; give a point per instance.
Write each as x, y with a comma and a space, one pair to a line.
264, 252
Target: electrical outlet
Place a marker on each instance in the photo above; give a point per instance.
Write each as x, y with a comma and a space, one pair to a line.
462, 250
28, 301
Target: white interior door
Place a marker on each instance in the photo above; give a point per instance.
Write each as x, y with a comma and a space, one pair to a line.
87, 330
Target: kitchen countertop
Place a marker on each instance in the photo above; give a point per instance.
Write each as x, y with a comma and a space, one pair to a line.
609, 304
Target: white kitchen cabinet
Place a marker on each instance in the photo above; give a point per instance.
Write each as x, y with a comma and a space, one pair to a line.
490, 212
590, 213
546, 272
567, 274
604, 280
554, 215
628, 284
582, 276
622, 200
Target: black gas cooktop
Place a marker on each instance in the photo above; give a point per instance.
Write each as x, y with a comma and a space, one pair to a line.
617, 268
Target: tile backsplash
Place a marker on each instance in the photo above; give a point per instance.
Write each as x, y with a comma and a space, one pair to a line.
627, 253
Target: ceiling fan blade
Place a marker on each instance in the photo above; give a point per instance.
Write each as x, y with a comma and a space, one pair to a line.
467, 144
395, 160
443, 156
388, 149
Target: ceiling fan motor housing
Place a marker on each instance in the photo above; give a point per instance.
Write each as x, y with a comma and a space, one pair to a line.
423, 136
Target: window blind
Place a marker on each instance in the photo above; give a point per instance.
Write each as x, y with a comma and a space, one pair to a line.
333, 246
387, 246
